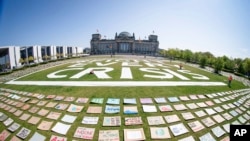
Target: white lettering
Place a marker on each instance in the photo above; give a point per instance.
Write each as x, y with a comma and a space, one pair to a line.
101, 64
176, 74
156, 70
126, 73
100, 72
194, 75
53, 75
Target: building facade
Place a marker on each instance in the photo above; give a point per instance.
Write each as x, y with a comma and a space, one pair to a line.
124, 43
15, 56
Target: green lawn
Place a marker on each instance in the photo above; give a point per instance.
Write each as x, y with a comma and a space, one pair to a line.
124, 92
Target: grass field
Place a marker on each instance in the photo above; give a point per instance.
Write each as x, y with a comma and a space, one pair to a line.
126, 92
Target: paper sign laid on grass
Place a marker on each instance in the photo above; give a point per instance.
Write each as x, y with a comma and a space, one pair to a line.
8, 121
15, 138
129, 101
61, 106
57, 138
196, 126
14, 127
94, 110
84, 133
61, 128
115, 101
109, 135
218, 131
97, 100
165, 108
34, 120
149, 108
68, 118
133, 121
43, 112
146, 100
112, 121
130, 110
134, 134
173, 99
208, 122
37, 137
159, 133
4, 135
75, 108
171, 118
53, 115
207, 137
90, 120
112, 109
178, 129
155, 120
82, 100
23, 133
45, 125
160, 100
189, 138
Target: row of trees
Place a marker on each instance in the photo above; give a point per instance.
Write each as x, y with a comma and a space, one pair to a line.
235, 65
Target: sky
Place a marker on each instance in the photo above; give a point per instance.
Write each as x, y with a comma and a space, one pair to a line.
221, 27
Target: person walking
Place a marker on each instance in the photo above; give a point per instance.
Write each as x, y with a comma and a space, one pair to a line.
230, 78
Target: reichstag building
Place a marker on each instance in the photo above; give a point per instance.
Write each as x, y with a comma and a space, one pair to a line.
124, 43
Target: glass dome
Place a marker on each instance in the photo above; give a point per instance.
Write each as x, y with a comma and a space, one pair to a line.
125, 34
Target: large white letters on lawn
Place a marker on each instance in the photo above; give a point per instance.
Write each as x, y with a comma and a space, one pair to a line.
53, 75
100, 72
194, 75
101, 64
156, 71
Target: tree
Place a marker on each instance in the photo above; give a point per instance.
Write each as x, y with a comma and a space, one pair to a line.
187, 55
247, 66
203, 61
21, 60
31, 58
218, 65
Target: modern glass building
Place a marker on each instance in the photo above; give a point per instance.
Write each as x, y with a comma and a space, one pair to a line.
124, 43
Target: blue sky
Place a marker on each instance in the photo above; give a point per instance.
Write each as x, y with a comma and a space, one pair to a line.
221, 27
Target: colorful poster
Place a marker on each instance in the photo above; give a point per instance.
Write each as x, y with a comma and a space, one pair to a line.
75, 108
84, 133
90, 120
4, 135
97, 100
218, 131
165, 108
53, 115
160, 100
14, 127
82, 100
45, 125
155, 120
115, 101
159, 133
94, 110
112, 121
171, 118
112, 109
129, 101
178, 129
146, 100
57, 138
23, 133
196, 126
130, 110
109, 135
133, 121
